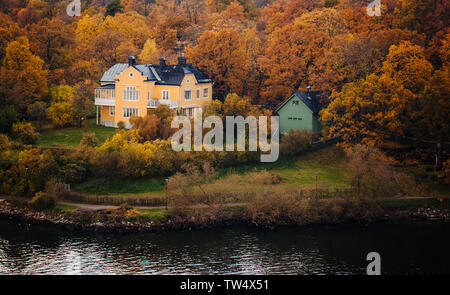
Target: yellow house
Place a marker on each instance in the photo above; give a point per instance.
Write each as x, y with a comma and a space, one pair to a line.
132, 89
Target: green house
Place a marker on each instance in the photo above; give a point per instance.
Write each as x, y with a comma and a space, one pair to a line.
301, 112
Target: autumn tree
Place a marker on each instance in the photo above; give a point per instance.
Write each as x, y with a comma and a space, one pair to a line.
68, 106
23, 80
392, 105
220, 55
290, 57
53, 41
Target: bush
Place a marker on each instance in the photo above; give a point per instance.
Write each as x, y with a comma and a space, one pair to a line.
121, 125
42, 201
296, 142
265, 177
370, 172
56, 188
89, 139
25, 132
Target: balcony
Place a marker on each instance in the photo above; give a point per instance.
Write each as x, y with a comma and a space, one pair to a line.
154, 103
105, 96
105, 102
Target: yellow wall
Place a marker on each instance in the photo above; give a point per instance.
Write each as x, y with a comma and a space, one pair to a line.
104, 114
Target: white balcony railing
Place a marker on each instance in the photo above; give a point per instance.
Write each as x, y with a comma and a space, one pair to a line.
105, 101
105, 97
154, 103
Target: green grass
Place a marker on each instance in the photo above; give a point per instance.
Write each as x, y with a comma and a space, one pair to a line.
143, 186
70, 137
298, 172
64, 208
156, 215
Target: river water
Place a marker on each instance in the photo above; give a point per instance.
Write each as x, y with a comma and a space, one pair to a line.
413, 248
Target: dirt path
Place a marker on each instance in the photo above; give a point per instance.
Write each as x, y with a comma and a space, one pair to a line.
95, 207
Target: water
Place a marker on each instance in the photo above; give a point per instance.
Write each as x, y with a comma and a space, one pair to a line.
404, 249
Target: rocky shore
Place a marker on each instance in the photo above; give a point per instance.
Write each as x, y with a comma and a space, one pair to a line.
88, 221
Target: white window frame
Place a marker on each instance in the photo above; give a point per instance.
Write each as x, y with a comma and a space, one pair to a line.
112, 111
191, 112
165, 97
198, 93
127, 112
206, 91
130, 93
190, 91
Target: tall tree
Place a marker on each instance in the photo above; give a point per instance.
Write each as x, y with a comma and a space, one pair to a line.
23, 80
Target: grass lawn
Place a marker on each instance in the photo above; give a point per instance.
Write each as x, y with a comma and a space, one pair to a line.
298, 172
64, 208
70, 137
156, 215
144, 186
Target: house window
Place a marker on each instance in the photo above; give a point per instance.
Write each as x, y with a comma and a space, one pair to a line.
198, 93
128, 112
205, 92
130, 93
187, 81
187, 95
131, 75
190, 112
148, 95
165, 95
112, 111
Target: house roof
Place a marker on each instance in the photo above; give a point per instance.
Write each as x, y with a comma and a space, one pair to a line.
107, 86
162, 74
310, 99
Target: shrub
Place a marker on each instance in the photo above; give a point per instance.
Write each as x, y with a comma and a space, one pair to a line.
370, 172
42, 201
265, 177
89, 139
296, 142
25, 132
121, 125
56, 188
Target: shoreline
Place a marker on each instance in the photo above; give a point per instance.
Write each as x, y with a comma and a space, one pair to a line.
80, 222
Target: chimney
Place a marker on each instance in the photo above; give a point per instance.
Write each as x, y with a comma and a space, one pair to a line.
162, 61
182, 60
131, 61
